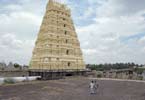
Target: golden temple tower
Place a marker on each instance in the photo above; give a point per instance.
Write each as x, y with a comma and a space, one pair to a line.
57, 46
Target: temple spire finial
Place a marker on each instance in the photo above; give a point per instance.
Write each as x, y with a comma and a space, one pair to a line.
50, 2
53, 1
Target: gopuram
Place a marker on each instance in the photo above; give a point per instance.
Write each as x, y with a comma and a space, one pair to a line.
57, 48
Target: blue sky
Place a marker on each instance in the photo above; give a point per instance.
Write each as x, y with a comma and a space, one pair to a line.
109, 31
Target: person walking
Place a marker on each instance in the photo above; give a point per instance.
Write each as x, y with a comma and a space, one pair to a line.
92, 87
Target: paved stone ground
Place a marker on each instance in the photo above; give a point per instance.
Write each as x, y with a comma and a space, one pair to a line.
73, 89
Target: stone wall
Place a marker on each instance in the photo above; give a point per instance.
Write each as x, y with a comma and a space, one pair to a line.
13, 73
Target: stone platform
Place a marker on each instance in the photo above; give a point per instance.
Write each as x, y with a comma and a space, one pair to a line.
56, 74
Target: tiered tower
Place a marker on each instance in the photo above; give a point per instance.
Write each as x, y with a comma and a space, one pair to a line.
57, 46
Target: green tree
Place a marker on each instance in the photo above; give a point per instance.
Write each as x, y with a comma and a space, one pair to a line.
17, 65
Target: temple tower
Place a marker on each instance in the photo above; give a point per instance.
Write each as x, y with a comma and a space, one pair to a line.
57, 46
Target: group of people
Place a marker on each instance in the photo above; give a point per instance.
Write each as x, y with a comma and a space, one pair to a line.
93, 87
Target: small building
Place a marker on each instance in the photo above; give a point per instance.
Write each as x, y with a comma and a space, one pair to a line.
120, 73
10, 67
2, 66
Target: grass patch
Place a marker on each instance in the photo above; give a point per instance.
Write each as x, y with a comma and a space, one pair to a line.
9, 81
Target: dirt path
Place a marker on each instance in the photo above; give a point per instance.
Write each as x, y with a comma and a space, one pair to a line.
74, 89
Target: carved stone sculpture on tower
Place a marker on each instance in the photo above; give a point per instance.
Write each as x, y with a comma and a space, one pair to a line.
57, 46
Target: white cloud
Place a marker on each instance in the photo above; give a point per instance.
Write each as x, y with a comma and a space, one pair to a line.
18, 30
12, 7
21, 23
9, 41
115, 20
88, 13
101, 40
13, 49
121, 8
142, 40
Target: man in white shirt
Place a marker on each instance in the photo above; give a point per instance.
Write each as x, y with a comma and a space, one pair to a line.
92, 87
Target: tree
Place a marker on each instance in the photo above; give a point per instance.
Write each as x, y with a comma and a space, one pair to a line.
17, 65
107, 66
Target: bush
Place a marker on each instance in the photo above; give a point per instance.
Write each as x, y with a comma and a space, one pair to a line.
9, 81
99, 75
140, 77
